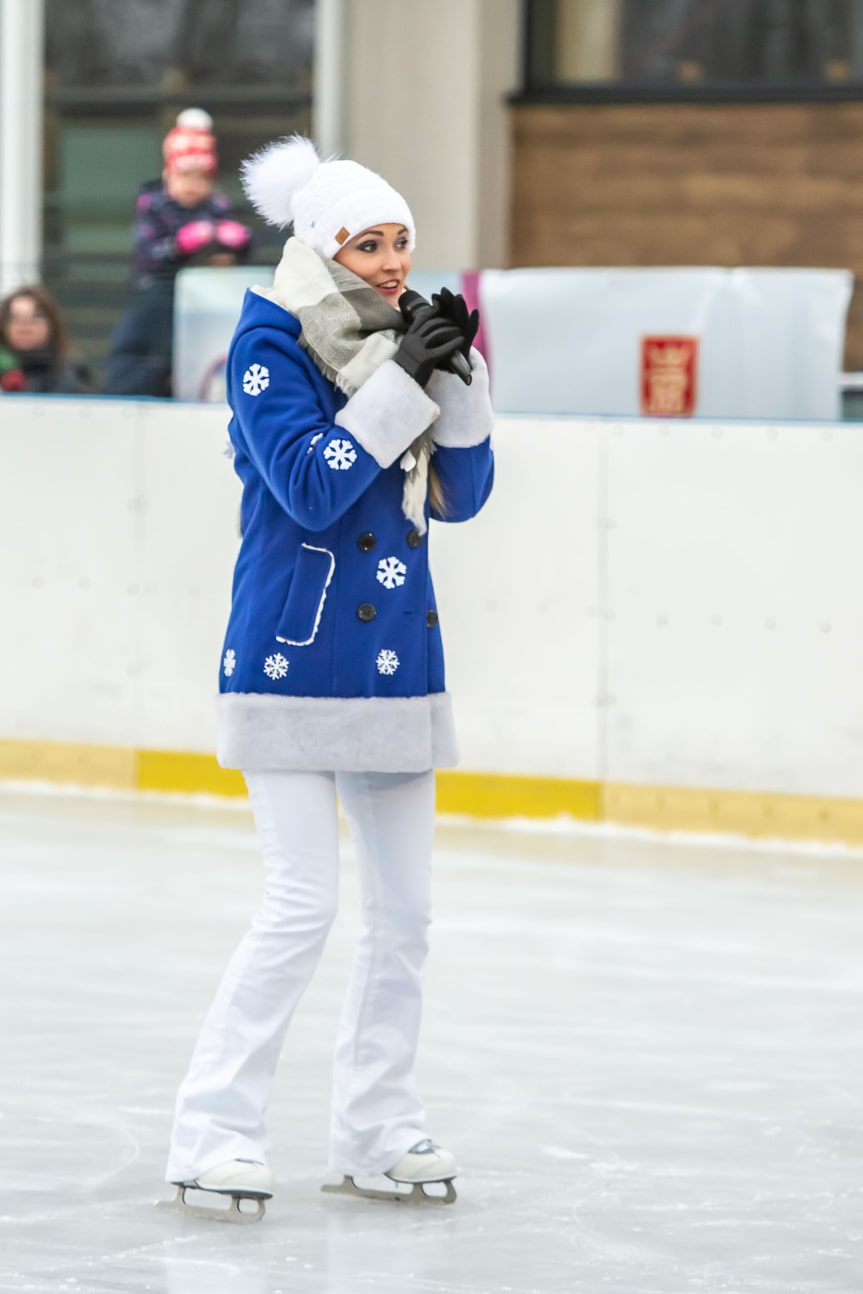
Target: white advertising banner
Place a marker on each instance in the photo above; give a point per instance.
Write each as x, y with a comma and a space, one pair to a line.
710, 343
207, 304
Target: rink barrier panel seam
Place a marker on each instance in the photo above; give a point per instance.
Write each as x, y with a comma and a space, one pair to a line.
479, 795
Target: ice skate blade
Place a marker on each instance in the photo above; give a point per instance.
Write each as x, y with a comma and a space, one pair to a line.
233, 1213
416, 1196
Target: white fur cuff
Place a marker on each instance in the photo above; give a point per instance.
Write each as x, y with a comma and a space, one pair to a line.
466, 416
387, 413
408, 734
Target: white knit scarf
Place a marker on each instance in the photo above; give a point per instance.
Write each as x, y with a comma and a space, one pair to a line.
348, 330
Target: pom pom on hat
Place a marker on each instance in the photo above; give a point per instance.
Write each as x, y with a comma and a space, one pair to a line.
273, 176
329, 201
195, 119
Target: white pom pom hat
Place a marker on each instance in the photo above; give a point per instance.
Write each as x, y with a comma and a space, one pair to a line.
329, 202
190, 145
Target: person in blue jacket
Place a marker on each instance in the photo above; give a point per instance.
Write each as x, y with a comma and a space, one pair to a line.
349, 433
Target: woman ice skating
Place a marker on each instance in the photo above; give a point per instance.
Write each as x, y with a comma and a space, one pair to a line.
349, 434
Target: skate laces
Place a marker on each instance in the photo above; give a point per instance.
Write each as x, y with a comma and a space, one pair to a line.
424, 1147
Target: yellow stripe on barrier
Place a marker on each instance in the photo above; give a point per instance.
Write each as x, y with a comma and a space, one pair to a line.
747, 813
494, 795
53, 761
176, 770
476, 795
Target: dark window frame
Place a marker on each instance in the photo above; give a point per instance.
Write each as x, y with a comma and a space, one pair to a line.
535, 91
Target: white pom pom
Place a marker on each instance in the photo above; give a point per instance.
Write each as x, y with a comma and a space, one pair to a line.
271, 177
195, 119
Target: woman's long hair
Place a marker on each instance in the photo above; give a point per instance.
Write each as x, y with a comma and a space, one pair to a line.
58, 340
437, 502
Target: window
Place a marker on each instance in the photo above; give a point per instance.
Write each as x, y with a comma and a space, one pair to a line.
117, 72
694, 45
175, 45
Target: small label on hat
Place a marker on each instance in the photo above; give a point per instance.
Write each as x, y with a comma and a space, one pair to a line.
342, 236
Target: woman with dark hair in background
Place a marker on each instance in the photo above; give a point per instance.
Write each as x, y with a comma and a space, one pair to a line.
34, 347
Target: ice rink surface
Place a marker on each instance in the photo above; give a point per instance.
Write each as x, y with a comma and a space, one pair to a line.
647, 1054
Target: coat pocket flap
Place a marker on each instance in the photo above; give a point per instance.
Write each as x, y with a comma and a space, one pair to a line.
307, 594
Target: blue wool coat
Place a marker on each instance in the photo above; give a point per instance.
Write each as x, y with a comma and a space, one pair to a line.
332, 657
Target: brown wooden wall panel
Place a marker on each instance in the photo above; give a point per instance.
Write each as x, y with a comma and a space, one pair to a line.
712, 184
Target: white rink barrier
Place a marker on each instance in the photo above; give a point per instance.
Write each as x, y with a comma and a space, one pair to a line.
643, 602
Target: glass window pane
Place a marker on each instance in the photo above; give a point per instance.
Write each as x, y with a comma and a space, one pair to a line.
666, 43
117, 73
180, 44
587, 44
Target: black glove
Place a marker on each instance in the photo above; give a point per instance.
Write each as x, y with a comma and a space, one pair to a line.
454, 308
428, 342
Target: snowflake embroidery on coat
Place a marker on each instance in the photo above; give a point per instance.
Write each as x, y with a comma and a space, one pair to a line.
229, 664
256, 379
276, 666
391, 572
340, 455
387, 662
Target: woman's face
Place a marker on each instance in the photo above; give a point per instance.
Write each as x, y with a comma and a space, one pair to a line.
27, 328
381, 257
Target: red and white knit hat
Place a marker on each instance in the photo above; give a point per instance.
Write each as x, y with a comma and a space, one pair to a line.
329, 202
191, 145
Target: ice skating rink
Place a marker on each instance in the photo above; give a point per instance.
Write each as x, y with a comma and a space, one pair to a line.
647, 1053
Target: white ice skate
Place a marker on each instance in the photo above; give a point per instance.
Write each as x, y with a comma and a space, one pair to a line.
425, 1164
241, 1179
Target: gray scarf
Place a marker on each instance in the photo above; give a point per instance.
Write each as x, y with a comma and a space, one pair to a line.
348, 330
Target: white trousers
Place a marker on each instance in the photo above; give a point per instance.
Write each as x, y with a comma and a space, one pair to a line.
377, 1114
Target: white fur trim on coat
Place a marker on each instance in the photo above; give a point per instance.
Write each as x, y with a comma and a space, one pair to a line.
260, 732
466, 416
387, 413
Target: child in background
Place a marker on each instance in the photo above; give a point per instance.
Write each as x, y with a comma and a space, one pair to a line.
182, 221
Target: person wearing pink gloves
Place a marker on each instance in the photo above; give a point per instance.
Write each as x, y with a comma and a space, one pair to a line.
181, 221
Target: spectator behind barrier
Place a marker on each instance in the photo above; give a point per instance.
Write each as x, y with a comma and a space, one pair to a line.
181, 220
34, 347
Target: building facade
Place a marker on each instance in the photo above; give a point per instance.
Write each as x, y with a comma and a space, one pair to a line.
524, 132
691, 132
